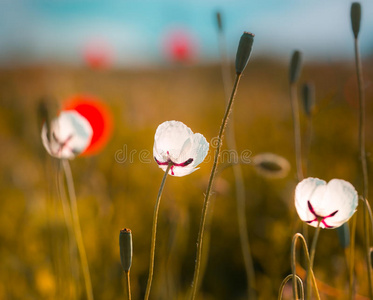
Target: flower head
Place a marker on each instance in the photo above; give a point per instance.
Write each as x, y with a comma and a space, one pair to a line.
83, 127
330, 204
70, 134
176, 144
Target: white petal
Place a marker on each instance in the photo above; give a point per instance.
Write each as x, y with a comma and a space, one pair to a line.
70, 135
200, 149
169, 139
303, 193
342, 196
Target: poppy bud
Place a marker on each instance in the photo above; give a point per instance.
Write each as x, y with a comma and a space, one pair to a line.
344, 235
295, 66
355, 18
125, 248
308, 93
219, 22
244, 51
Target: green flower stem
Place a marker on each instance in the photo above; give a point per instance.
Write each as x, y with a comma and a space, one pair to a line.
308, 261
284, 282
77, 229
127, 274
237, 173
70, 231
209, 186
312, 257
363, 159
154, 233
352, 257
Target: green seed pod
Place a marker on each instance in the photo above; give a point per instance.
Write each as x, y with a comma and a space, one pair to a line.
244, 51
125, 248
355, 18
219, 22
308, 96
344, 235
295, 66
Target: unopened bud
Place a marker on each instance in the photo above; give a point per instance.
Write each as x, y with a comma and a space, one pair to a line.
125, 248
244, 51
219, 22
308, 93
355, 18
295, 66
344, 235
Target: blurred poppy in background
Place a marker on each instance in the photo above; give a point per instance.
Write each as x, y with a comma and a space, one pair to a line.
99, 117
180, 46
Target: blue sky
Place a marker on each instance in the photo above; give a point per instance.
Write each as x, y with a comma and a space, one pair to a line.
57, 30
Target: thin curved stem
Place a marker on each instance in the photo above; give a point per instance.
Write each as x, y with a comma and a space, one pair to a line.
154, 232
209, 186
364, 168
77, 229
127, 274
284, 282
294, 263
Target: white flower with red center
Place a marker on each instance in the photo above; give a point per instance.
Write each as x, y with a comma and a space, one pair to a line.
176, 144
83, 127
70, 134
328, 204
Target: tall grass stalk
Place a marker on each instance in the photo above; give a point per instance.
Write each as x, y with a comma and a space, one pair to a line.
154, 233
355, 22
77, 229
237, 170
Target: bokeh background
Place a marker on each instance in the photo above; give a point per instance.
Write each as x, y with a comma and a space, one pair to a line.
152, 61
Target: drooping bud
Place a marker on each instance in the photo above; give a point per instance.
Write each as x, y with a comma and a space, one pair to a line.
355, 18
219, 21
125, 248
244, 51
344, 235
308, 96
271, 165
295, 66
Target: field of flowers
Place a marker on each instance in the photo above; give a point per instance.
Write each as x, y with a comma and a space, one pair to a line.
117, 187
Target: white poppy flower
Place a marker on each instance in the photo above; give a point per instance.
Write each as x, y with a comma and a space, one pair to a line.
331, 204
70, 134
175, 143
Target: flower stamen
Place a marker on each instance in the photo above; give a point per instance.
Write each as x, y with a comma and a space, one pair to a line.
319, 218
183, 164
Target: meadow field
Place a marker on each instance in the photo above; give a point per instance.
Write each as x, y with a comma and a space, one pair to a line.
117, 187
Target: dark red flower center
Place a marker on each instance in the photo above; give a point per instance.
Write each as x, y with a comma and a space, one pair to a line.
319, 218
169, 161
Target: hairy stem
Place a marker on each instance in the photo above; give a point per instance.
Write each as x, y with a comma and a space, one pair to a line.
209, 187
